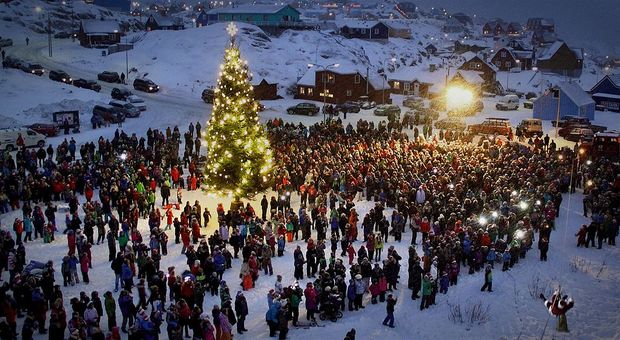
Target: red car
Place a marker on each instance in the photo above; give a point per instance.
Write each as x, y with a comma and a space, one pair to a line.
49, 130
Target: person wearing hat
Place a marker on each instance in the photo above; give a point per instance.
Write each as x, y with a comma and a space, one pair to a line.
488, 280
389, 319
360, 288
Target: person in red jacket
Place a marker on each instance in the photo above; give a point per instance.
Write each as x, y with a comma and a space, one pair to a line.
84, 266
351, 253
581, 235
185, 238
195, 231
18, 228
169, 221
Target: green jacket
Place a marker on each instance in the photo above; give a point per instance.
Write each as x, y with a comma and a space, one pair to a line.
123, 240
140, 188
110, 307
426, 286
295, 300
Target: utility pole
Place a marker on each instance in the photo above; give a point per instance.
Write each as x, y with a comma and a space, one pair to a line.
49, 33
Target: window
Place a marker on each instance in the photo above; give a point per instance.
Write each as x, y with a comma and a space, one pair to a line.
349, 93
498, 63
357, 79
508, 64
363, 31
310, 90
472, 65
407, 86
503, 54
331, 78
396, 85
302, 90
376, 31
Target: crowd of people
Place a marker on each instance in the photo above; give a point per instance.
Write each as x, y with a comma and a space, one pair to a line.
467, 206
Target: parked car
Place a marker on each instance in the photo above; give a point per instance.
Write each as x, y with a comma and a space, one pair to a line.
12, 62
508, 102
208, 96
87, 84
386, 110
529, 103
530, 127
6, 42
63, 35
120, 93
308, 109
145, 85
577, 121
468, 110
577, 134
365, 103
109, 77
348, 106
491, 126
128, 109
61, 76
109, 113
137, 102
9, 137
32, 68
413, 102
451, 123
48, 130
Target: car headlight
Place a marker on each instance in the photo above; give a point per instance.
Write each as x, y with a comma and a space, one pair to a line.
32, 71
150, 87
63, 79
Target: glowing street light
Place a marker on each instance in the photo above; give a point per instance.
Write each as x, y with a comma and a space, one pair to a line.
458, 97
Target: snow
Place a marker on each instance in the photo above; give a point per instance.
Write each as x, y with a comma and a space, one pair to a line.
606, 95
472, 77
576, 93
548, 52
243, 9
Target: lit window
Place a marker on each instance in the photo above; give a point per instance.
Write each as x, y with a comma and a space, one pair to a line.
357, 79
310, 91
302, 90
396, 85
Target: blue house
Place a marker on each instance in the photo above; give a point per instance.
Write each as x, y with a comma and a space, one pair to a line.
571, 98
115, 5
606, 93
259, 15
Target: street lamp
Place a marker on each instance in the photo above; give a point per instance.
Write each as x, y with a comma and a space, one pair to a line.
384, 76
49, 29
324, 94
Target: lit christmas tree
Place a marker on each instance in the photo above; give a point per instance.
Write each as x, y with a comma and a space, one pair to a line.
239, 160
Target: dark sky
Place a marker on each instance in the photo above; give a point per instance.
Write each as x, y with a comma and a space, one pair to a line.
586, 23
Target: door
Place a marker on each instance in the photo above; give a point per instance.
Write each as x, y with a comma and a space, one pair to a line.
416, 89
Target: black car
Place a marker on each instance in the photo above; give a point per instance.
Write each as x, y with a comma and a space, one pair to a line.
208, 95
61, 76
12, 62
33, 68
348, 107
87, 84
109, 113
308, 109
120, 93
109, 77
145, 85
63, 35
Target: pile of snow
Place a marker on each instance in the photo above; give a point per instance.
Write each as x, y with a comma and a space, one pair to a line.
45, 110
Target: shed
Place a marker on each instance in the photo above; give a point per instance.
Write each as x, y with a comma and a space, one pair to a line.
570, 97
99, 33
606, 93
266, 91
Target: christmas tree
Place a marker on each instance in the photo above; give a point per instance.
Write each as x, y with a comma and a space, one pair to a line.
239, 160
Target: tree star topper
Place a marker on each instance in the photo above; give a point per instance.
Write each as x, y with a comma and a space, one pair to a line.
232, 30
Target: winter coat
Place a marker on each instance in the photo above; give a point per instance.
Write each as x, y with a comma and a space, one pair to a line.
126, 273
426, 286
241, 306
506, 256
272, 312
126, 305
360, 287
310, 294
351, 290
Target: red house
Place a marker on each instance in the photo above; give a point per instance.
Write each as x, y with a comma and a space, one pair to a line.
340, 84
507, 58
99, 33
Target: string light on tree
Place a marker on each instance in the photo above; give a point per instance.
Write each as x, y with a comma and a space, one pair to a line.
239, 161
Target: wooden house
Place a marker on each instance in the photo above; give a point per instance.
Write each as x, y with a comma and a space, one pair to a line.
259, 15
266, 91
99, 33
398, 29
488, 71
561, 59
540, 24
165, 23
363, 29
506, 59
414, 81
431, 49
341, 84
571, 99
606, 93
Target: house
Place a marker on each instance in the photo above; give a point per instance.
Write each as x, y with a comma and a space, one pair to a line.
540, 24
341, 84
488, 71
115, 5
514, 29
470, 79
498, 28
452, 25
266, 91
606, 93
506, 59
165, 23
362, 29
570, 97
543, 38
398, 29
99, 33
202, 19
413, 81
561, 59
431, 49
462, 46
259, 15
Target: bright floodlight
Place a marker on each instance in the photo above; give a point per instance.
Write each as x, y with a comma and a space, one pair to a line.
538, 202
482, 220
523, 205
519, 234
123, 156
458, 97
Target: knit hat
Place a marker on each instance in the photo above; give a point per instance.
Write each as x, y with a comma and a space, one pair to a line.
358, 276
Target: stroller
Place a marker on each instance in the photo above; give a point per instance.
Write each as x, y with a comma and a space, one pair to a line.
331, 309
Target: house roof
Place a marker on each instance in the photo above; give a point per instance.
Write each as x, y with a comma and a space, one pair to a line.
358, 23
396, 24
422, 75
523, 54
250, 9
493, 67
100, 26
576, 94
548, 52
613, 78
166, 21
376, 80
472, 77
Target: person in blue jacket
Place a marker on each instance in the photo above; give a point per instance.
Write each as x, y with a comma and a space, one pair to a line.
506, 257
351, 294
491, 256
272, 316
220, 264
125, 303
127, 276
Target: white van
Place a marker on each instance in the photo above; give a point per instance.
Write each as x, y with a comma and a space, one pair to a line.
508, 102
9, 138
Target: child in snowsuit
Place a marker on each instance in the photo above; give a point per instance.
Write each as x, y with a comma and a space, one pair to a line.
506, 257
444, 282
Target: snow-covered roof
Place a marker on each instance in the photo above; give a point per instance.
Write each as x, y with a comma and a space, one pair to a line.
396, 24
249, 9
523, 54
376, 80
358, 23
166, 20
575, 93
422, 75
615, 78
578, 52
467, 60
472, 77
606, 95
308, 79
549, 52
99, 26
